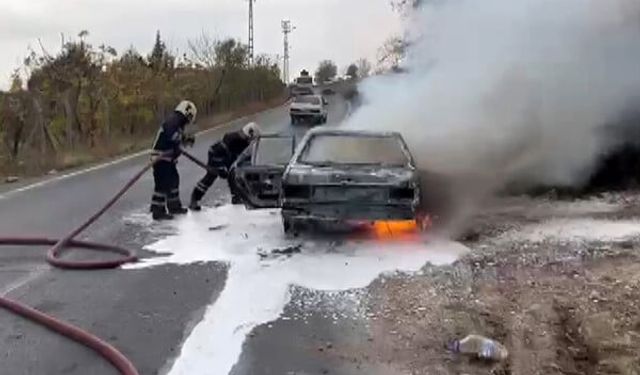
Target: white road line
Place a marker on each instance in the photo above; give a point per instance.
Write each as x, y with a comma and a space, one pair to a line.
123, 159
23, 280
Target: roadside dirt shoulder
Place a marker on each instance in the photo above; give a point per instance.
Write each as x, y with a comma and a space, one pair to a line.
557, 282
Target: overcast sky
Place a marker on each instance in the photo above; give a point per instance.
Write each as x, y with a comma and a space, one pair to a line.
341, 30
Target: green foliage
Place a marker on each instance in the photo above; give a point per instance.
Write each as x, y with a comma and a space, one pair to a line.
327, 70
84, 96
160, 60
231, 54
352, 71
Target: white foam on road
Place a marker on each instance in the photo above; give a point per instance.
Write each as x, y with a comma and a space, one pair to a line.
257, 289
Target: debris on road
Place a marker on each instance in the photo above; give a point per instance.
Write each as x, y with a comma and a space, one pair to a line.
286, 252
564, 304
480, 347
218, 227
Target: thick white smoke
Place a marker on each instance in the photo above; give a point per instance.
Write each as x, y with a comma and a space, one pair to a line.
499, 91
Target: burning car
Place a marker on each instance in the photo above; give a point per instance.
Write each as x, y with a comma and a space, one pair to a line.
333, 177
350, 176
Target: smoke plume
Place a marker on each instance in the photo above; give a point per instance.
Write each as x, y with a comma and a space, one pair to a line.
509, 91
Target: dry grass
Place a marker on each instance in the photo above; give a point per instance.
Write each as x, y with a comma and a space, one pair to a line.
34, 165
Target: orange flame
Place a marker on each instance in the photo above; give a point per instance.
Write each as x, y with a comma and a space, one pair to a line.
393, 228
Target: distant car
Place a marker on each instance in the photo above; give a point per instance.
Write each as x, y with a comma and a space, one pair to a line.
309, 107
341, 176
301, 90
328, 91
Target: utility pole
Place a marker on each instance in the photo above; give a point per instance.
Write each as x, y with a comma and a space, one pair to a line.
251, 32
286, 30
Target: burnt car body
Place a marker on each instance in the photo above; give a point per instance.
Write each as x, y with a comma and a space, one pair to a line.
334, 176
350, 176
257, 173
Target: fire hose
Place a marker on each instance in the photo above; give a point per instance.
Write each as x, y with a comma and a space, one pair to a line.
58, 247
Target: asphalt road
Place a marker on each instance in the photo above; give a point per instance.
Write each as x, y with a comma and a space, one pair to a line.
146, 313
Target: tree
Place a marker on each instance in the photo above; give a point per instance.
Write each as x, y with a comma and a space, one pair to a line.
16, 82
364, 68
402, 5
160, 59
352, 71
326, 71
202, 51
231, 54
72, 96
392, 52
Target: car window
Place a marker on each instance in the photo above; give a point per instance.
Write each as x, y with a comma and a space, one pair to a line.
308, 99
305, 80
274, 151
354, 149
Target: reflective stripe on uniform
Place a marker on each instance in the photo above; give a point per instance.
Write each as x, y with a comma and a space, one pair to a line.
158, 199
157, 204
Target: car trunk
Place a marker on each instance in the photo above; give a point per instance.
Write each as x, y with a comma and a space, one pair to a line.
351, 192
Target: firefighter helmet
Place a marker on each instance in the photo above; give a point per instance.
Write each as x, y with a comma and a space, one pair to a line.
188, 109
251, 130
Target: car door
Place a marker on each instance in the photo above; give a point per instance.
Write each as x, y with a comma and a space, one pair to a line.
257, 174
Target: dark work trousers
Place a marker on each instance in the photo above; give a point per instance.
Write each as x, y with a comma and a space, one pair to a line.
205, 183
203, 186
166, 193
214, 163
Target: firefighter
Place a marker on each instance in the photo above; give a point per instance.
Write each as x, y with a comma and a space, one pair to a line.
222, 155
166, 195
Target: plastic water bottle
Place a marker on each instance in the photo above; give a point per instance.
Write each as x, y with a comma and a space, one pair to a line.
480, 347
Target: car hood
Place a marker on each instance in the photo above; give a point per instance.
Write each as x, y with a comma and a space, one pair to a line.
348, 175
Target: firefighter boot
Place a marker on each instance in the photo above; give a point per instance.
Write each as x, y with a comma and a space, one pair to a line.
195, 201
160, 213
177, 210
174, 204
